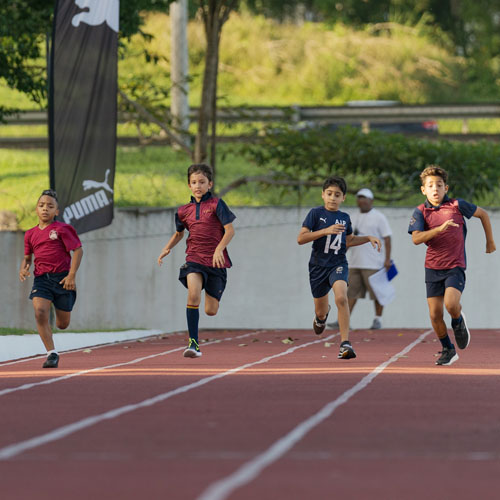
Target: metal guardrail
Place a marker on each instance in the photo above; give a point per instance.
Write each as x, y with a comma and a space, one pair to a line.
332, 114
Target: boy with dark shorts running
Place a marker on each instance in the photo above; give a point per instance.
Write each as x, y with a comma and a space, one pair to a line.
440, 224
51, 242
209, 222
330, 231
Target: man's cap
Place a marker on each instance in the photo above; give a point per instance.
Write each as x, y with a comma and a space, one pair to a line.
366, 193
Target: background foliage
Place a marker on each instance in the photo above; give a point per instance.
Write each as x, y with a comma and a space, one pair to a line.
390, 164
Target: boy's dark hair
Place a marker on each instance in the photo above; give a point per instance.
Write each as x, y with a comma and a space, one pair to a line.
434, 171
49, 192
335, 181
201, 168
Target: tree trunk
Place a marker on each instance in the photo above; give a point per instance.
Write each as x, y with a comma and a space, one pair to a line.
215, 13
213, 118
212, 32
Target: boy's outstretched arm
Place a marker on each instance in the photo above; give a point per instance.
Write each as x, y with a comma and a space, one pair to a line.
354, 241
68, 282
24, 271
488, 231
218, 257
306, 235
174, 239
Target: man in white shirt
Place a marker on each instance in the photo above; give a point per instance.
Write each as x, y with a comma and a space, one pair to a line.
363, 261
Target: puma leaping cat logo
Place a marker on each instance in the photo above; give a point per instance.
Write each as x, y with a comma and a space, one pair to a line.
90, 184
323, 219
99, 11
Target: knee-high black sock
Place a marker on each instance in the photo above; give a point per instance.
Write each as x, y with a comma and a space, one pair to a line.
193, 318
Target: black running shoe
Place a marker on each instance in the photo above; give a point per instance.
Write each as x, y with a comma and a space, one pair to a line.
448, 356
52, 361
319, 325
462, 334
346, 351
193, 350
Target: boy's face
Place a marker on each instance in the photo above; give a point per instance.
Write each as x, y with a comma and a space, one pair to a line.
333, 198
46, 208
434, 188
199, 185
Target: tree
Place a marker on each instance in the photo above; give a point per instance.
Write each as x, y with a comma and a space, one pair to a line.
24, 33
21, 47
22, 39
214, 14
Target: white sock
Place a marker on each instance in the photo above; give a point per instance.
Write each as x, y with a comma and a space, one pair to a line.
53, 351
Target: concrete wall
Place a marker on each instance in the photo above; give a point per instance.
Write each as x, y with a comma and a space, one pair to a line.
121, 286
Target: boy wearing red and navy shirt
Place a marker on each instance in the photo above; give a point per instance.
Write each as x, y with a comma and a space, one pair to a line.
51, 242
209, 222
440, 224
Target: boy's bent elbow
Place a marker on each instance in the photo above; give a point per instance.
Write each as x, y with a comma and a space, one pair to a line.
415, 238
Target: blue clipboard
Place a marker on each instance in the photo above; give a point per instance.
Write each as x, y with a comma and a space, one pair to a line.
392, 271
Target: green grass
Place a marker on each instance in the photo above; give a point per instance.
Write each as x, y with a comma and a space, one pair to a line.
16, 331
153, 176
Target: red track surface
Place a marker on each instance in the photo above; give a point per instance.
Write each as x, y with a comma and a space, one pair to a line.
416, 431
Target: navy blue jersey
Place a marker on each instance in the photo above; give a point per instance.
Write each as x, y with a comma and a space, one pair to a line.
328, 251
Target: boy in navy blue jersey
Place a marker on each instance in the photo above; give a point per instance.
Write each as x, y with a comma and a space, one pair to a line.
331, 233
209, 222
440, 224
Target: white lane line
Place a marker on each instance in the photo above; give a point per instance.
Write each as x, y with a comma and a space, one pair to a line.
61, 432
30, 385
250, 470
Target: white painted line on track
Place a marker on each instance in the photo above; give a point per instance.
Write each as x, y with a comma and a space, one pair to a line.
49, 381
250, 470
61, 432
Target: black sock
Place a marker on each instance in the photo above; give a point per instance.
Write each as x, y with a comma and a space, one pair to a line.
345, 342
446, 342
456, 321
193, 318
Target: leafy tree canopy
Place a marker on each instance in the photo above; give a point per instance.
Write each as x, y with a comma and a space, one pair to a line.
25, 28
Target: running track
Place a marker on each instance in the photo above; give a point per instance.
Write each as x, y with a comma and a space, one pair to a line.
255, 418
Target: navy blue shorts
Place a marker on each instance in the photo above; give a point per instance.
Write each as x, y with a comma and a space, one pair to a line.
48, 287
214, 278
322, 278
438, 280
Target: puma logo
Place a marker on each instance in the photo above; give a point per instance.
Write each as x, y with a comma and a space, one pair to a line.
90, 184
323, 219
98, 12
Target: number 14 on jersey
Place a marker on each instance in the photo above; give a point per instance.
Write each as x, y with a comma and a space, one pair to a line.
334, 245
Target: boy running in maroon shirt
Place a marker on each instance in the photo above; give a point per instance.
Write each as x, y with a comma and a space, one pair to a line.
209, 222
51, 243
440, 224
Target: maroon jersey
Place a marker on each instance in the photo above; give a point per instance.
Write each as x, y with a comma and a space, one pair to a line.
205, 222
51, 247
447, 249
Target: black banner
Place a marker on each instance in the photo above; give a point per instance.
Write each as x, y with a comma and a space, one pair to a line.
82, 110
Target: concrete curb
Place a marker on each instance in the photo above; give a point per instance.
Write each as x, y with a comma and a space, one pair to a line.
23, 346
